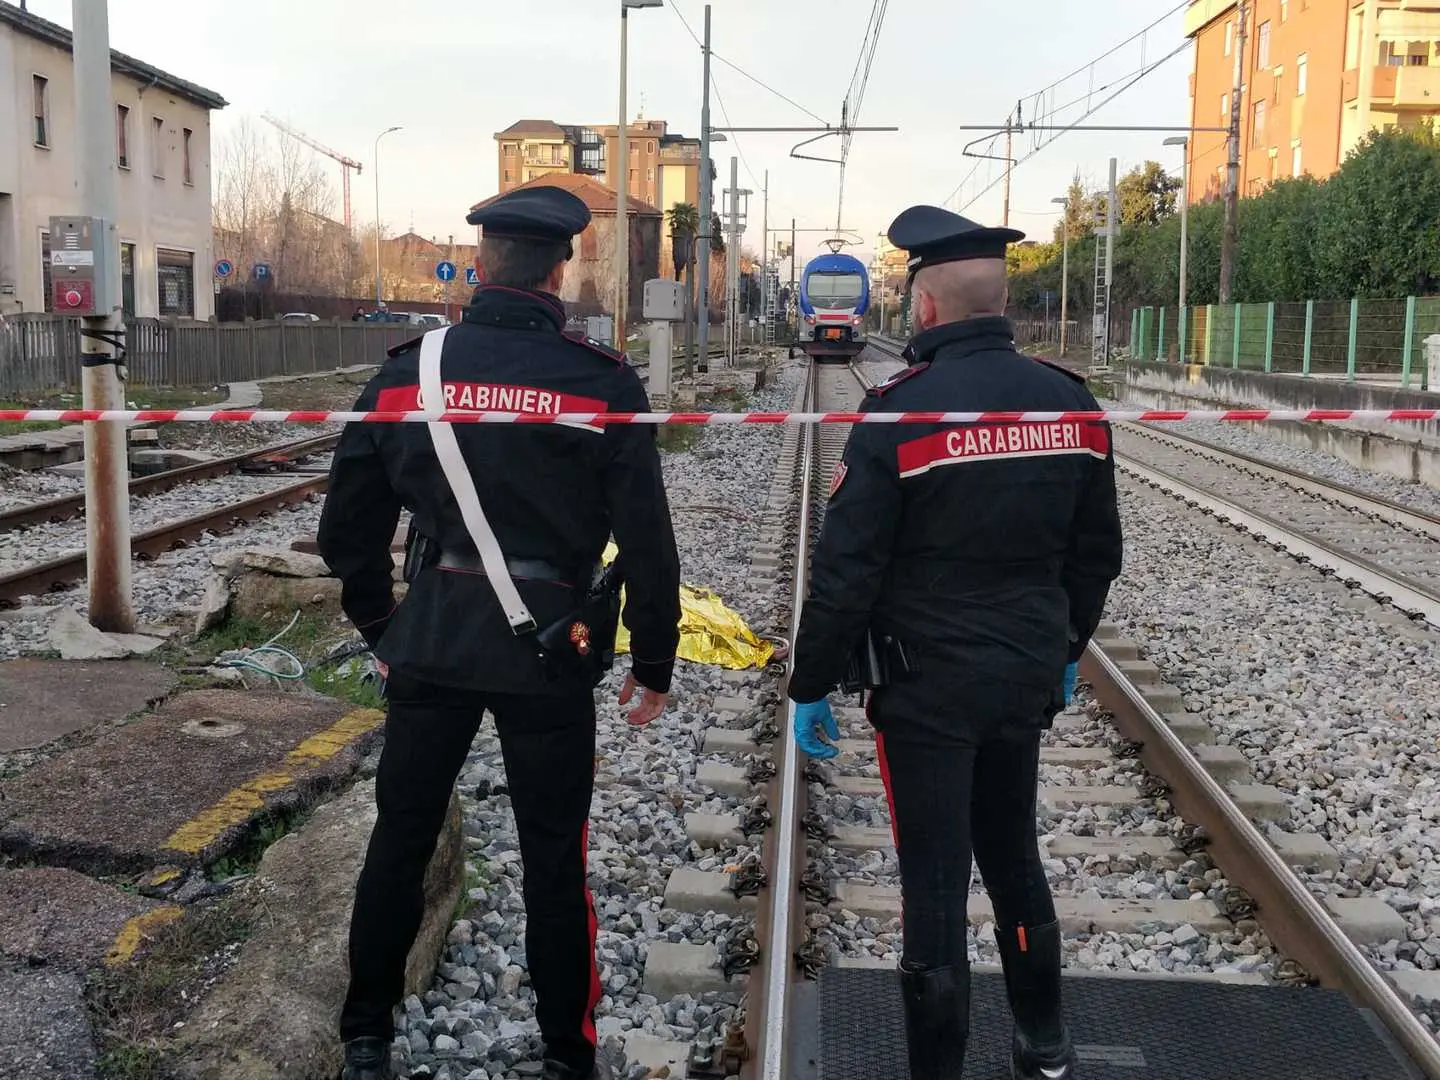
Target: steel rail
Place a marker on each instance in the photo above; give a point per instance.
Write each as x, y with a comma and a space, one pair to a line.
778, 920
1375, 506
34, 580
1293, 918
1376, 580
67, 507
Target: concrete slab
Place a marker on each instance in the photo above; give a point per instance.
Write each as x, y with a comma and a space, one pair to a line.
1077, 915
675, 968
66, 920
272, 1016
44, 1034
45, 700
659, 1057
183, 785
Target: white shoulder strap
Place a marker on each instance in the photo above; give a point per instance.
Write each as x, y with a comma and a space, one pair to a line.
462, 485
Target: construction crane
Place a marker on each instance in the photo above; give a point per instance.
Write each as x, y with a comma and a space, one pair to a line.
346, 164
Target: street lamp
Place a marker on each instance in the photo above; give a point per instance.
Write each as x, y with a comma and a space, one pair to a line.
1183, 142
622, 179
1064, 274
387, 131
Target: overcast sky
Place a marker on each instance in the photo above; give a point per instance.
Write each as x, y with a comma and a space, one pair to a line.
453, 74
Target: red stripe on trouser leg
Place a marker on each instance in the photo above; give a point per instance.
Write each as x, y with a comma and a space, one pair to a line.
885, 779
587, 1025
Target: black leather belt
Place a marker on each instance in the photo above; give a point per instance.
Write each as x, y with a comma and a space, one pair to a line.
529, 569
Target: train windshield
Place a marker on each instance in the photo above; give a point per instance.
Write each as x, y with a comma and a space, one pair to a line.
835, 290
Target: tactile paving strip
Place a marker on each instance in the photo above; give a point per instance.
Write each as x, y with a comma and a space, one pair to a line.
1124, 1029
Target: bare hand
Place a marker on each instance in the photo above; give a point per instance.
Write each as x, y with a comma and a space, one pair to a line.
650, 706
383, 668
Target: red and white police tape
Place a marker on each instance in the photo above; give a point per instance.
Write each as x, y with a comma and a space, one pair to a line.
598, 419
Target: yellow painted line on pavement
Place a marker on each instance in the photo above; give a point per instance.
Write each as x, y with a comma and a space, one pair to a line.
133, 934
237, 806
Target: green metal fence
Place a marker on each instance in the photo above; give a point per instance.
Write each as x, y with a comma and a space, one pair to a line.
1375, 340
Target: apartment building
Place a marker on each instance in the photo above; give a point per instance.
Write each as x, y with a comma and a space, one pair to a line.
1317, 75
663, 169
162, 158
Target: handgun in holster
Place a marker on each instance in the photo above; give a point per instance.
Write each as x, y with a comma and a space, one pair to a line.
878, 660
420, 552
583, 640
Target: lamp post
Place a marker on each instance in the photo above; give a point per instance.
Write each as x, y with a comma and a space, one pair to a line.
622, 180
1064, 274
1183, 142
387, 131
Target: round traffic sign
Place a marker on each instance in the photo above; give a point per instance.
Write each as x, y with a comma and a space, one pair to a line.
224, 268
445, 270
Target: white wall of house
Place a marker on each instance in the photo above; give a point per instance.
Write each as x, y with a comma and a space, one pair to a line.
163, 186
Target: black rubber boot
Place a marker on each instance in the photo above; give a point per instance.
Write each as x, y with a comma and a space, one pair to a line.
368, 1059
1041, 1048
937, 1020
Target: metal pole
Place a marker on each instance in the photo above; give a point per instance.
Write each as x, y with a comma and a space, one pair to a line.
1009, 166
622, 194
1229, 236
794, 297
732, 268
765, 248
107, 490
1065, 286
702, 302
1112, 222
377, 212
1184, 248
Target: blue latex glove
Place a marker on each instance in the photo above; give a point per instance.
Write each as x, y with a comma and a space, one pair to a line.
810, 720
1069, 685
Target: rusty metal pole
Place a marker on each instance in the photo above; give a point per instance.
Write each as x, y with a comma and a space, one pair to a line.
107, 478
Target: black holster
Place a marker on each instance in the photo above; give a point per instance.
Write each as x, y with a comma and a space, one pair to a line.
878, 660
420, 552
581, 644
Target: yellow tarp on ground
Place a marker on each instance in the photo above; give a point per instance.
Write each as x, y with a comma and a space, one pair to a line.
710, 633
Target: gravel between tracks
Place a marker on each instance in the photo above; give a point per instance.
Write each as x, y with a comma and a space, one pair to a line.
478, 1018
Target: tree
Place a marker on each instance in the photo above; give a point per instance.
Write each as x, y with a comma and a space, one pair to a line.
1147, 195
274, 204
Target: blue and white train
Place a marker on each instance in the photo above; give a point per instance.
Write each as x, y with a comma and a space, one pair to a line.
834, 297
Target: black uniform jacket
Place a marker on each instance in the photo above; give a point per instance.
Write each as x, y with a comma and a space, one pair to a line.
987, 548
551, 493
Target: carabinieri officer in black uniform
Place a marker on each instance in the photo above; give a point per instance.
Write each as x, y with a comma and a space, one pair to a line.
552, 496
973, 563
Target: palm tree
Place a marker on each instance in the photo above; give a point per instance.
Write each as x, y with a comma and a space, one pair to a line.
684, 225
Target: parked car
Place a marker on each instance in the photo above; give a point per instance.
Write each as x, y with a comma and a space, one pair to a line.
299, 316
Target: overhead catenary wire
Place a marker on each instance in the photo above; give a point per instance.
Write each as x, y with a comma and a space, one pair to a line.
855, 97
741, 71
1043, 113
1088, 113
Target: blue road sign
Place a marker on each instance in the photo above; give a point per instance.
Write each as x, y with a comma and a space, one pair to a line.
224, 268
262, 271
445, 271
471, 277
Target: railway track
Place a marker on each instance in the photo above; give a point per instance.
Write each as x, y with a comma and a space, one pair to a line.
41, 577
68, 507
1162, 796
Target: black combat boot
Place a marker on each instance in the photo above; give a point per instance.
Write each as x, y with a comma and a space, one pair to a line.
368, 1058
1041, 1047
937, 1020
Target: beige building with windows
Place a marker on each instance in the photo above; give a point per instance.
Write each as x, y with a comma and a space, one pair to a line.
162, 154
1317, 75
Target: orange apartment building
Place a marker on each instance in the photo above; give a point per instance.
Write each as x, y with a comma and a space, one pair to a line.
1317, 75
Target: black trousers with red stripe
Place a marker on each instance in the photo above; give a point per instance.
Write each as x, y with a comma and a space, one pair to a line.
548, 744
947, 802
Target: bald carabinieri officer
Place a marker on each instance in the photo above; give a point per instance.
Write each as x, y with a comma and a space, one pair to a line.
552, 496
977, 558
